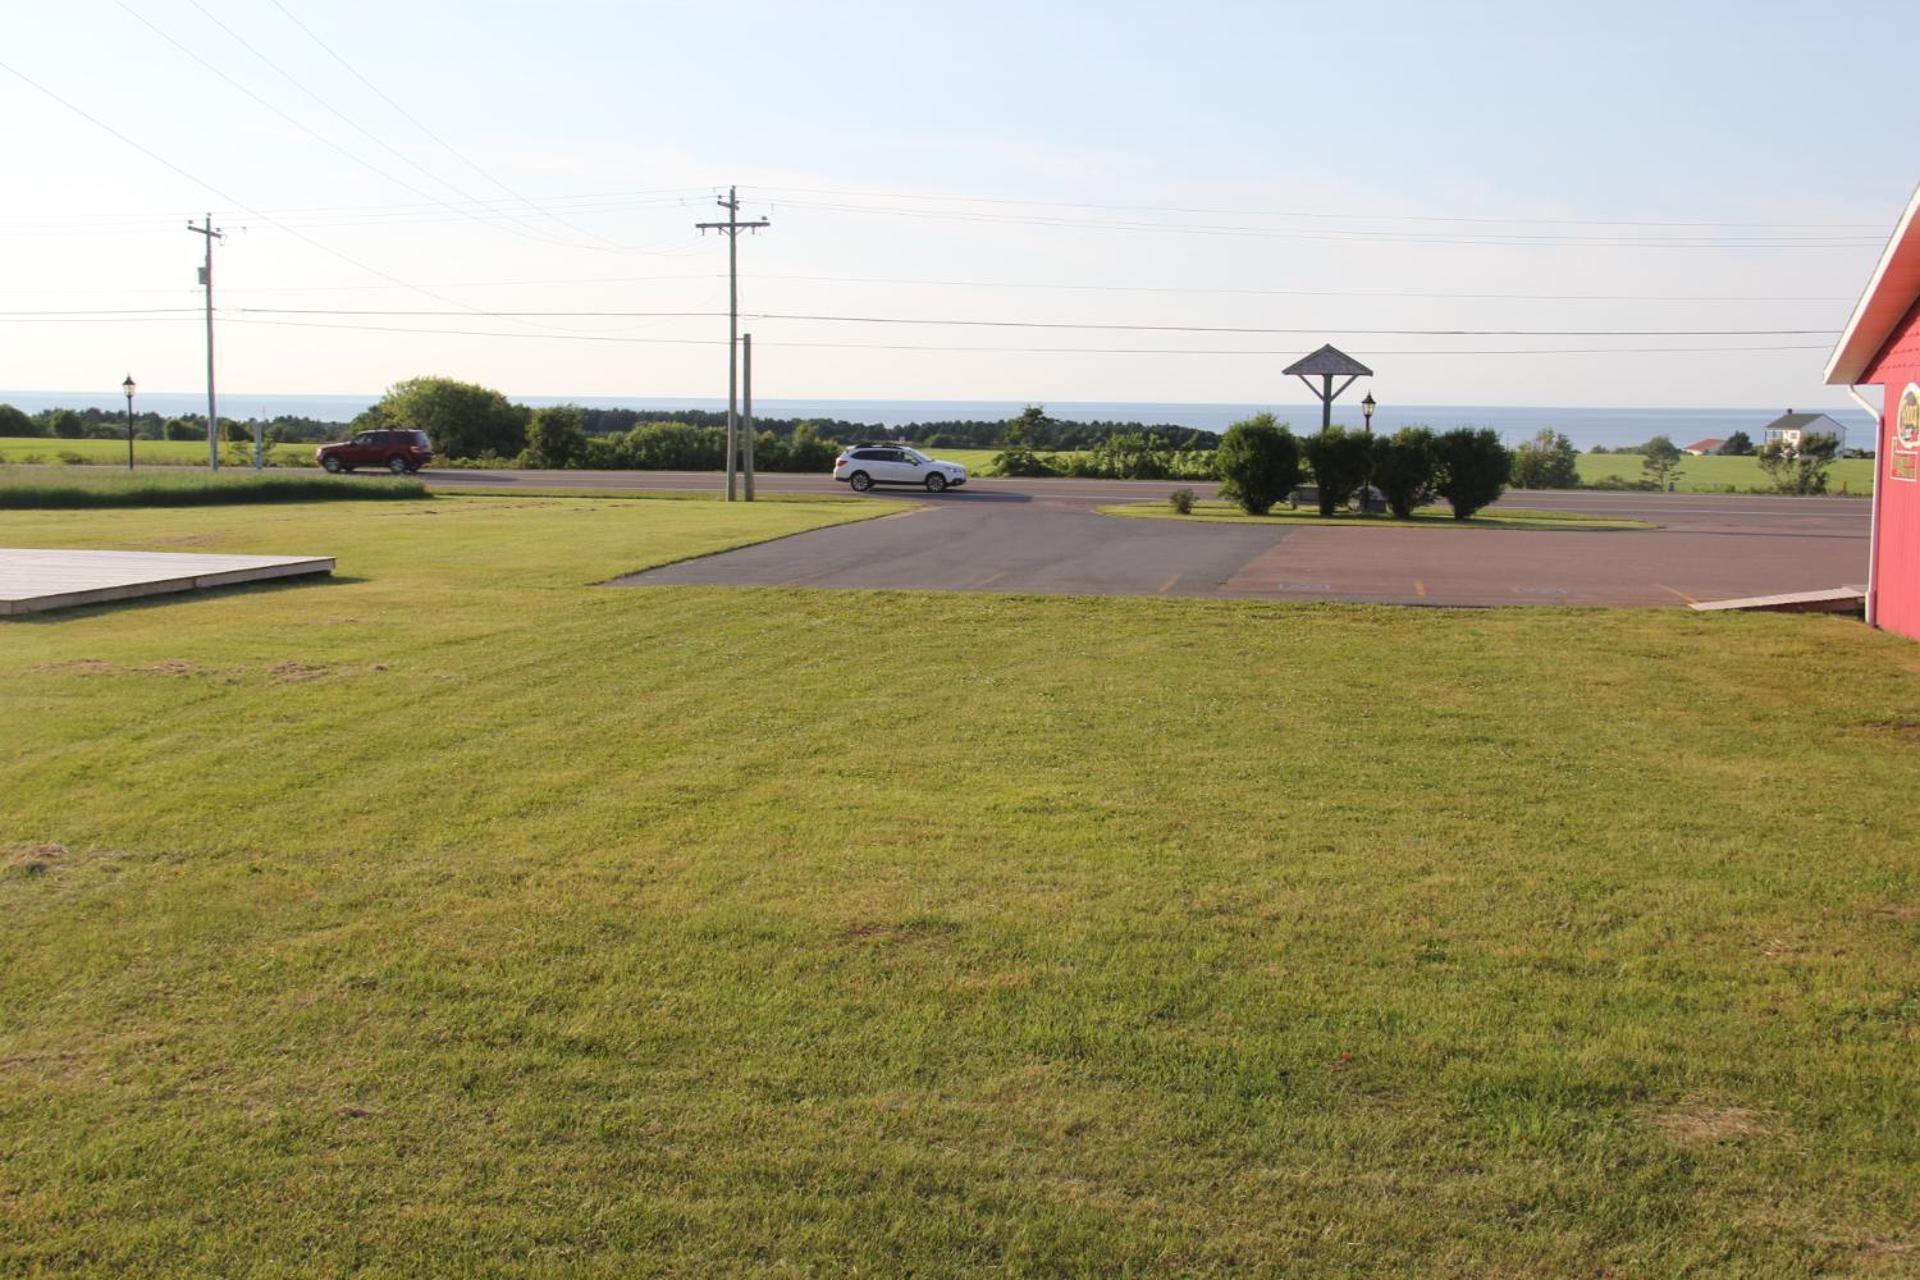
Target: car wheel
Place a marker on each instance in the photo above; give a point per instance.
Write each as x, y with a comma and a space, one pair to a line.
936, 483
860, 481
397, 465
331, 464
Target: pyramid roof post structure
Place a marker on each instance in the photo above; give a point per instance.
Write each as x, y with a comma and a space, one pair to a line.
1326, 364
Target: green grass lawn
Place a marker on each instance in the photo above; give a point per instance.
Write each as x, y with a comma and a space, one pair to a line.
1718, 475
463, 917
1436, 517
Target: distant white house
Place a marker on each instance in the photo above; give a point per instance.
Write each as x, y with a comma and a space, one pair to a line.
1791, 428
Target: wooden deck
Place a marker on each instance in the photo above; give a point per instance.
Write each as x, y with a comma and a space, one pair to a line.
32, 580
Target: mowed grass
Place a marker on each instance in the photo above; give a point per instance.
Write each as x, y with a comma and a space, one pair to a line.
1714, 474
31, 487
1436, 517
462, 917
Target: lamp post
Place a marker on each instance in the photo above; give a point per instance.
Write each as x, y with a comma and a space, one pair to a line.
127, 388
1366, 410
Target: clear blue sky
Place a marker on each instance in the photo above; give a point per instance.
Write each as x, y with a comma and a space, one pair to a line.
960, 163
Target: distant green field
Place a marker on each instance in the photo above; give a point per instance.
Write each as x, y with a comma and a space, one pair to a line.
1717, 475
186, 453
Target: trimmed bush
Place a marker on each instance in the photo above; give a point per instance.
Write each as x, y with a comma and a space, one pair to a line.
1181, 500
1340, 460
1470, 469
1403, 469
1259, 463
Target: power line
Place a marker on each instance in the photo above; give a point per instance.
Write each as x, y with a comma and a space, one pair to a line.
1507, 240
1061, 324
231, 200
1345, 217
444, 145
876, 346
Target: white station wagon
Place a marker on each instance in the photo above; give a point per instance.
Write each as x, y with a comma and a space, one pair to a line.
870, 464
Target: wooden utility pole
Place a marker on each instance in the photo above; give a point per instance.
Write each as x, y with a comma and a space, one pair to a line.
206, 281
733, 227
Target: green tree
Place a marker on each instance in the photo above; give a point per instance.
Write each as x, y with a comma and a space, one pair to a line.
1548, 461
557, 437
1403, 469
1660, 462
185, 429
1033, 429
1470, 469
66, 424
1737, 445
463, 420
13, 422
1802, 468
1340, 460
1259, 463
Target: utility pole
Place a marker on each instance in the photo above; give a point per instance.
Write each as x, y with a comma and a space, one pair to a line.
206, 281
733, 227
746, 425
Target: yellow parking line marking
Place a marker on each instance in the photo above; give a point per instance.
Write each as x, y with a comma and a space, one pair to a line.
1676, 591
990, 579
1420, 588
1168, 585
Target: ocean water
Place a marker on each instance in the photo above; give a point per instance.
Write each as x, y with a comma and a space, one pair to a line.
1588, 427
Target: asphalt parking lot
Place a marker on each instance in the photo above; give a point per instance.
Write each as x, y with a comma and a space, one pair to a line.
1045, 536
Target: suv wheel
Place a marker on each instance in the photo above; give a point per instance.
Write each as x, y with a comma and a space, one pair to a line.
397, 465
860, 481
936, 483
331, 463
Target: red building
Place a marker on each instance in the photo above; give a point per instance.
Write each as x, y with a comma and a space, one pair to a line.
1881, 347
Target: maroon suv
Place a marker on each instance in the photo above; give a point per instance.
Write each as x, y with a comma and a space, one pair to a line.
397, 451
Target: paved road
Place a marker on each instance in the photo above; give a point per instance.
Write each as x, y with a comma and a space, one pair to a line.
1045, 536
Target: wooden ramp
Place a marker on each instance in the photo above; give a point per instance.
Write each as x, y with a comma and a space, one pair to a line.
1836, 600
32, 580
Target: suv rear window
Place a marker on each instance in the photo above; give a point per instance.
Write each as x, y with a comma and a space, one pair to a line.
414, 437
870, 455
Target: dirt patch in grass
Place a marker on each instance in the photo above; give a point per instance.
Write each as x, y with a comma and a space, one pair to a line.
27, 861
97, 667
1902, 911
1696, 1124
901, 932
292, 672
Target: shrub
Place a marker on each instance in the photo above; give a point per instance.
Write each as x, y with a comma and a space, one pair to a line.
1181, 500
15, 423
557, 437
1548, 461
1660, 462
1403, 469
1259, 464
1340, 462
1019, 460
1802, 469
1737, 445
1470, 469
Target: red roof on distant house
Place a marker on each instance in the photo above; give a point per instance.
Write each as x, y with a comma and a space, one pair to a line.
1709, 445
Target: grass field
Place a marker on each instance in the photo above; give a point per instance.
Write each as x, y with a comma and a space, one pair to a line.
25, 487
462, 917
179, 453
1716, 474
1436, 517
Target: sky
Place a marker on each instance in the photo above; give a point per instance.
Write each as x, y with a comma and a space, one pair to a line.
1621, 205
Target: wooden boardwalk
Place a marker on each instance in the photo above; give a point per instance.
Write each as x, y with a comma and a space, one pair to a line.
32, 580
